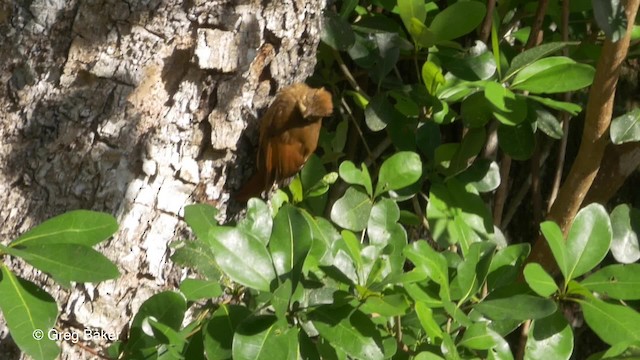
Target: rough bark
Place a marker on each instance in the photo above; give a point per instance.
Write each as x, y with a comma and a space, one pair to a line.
135, 108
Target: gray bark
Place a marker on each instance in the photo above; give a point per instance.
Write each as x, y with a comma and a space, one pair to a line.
135, 108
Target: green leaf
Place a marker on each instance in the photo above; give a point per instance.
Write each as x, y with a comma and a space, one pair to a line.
473, 64
411, 9
625, 223
529, 56
457, 215
549, 338
290, 240
553, 75
508, 108
483, 175
196, 289
506, 264
477, 337
29, 312
385, 232
571, 108
612, 323
517, 307
242, 257
539, 280
476, 110
626, 128
379, 112
196, 255
388, 305
81, 227
547, 122
616, 281
555, 239
425, 355
261, 337
518, 141
352, 175
611, 18
457, 19
432, 76
428, 322
398, 171
218, 338
281, 299
473, 269
588, 240
68, 262
348, 330
352, 210
257, 222
337, 32
167, 308
389, 53
422, 36
200, 218
431, 262
469, 148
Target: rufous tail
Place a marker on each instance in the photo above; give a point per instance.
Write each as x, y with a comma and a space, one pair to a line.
252, 188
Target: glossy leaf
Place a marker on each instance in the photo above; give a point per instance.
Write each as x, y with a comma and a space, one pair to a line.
261, 337
29, 312
242, 257
611, 18
352, 210
483, 175
547, 122
476, 111
518, 141
348, 330
530, 56
477, 337
352, 175
616, 281
555, 239
380, 112
588, 240
508, 108
432, 76
200, 218
196, 289
475, 63
612, 323
398, 171
570, 108
290, 239
337, 32
517, 307
196, 255
625, 223
167, 308
412, 9
457, 19
539, 280
431, 262
553, 75
258, 221
220, 328
626, 128
550, 338
80, 227
428, 322
68, 262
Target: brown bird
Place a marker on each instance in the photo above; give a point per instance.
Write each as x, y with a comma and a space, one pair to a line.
289, 133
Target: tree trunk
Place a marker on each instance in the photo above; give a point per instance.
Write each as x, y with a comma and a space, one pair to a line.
135, 108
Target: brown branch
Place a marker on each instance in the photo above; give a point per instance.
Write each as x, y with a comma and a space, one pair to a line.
594, 139
485, 28
535, 37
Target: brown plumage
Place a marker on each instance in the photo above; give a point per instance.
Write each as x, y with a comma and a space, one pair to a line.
289, 133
